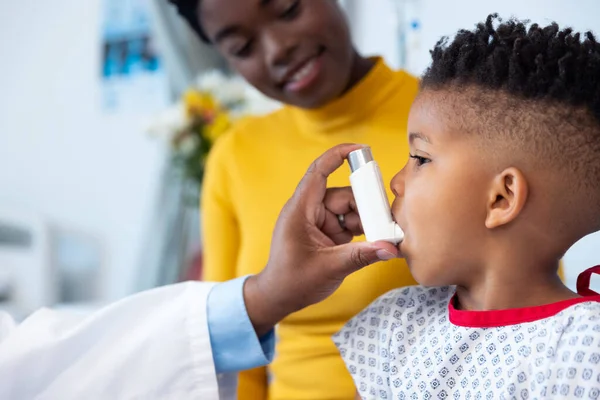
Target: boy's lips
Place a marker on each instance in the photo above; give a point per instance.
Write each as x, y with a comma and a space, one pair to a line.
401, 227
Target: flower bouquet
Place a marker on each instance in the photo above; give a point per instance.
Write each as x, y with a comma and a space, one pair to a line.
202, 115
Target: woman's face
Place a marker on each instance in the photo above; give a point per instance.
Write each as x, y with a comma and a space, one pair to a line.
298, 52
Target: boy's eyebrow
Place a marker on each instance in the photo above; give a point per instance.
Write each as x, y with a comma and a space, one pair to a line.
412, 136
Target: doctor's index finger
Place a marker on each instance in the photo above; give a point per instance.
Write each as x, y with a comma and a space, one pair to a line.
313, 186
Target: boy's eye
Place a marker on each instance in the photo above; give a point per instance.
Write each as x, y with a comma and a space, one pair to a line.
420, 160
292, 11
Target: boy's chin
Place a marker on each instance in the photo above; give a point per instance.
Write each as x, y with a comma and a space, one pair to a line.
425, 272
427, 276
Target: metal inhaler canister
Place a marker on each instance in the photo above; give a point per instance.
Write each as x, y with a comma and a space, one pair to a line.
371, 199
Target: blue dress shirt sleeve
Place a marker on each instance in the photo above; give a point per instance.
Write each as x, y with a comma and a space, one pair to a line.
233, 340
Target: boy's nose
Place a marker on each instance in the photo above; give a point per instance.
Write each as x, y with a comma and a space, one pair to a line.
397, 183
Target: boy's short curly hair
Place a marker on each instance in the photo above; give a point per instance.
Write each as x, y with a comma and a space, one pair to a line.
532, 93
188, 9
532, 63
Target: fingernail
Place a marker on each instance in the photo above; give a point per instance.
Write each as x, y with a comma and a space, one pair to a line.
385, 255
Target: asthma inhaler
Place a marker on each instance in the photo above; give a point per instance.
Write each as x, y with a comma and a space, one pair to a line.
371, 199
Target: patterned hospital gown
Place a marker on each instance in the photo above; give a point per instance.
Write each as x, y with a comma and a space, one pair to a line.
412, 343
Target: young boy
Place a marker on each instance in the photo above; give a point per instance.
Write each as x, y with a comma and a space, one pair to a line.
504, 177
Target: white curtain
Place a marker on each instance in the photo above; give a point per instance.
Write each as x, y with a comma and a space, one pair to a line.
174, 233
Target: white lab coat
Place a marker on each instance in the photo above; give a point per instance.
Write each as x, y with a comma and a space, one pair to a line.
153, 345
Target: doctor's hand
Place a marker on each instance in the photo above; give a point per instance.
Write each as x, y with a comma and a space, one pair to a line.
311, 252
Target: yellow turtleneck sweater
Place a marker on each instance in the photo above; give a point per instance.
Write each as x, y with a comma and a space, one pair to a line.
252, 171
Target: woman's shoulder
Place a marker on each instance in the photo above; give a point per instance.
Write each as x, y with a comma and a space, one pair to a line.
253, 130
407, 83
405, 76
262, 124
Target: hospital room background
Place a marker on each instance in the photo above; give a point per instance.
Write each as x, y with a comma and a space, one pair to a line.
98, 197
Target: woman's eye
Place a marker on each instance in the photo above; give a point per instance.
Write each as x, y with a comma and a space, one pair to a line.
420, 160
243, 51
292, 11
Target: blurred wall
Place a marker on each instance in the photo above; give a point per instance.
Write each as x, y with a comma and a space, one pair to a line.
374, 21
374, 32
60, 156
98, 174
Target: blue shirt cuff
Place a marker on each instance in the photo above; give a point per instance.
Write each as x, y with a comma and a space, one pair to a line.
234, 343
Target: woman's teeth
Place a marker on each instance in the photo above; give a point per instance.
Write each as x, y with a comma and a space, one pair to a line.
303, 72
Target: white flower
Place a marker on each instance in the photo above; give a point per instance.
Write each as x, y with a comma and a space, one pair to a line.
188, 144
231, 92
228, 91
211, 81
169, 122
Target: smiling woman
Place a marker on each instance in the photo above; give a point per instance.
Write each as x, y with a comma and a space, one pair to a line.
300, 53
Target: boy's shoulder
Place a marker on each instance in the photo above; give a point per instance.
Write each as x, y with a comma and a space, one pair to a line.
410, 299
396, 308
579, 325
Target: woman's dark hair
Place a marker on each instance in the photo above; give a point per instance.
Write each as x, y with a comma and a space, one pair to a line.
188, 9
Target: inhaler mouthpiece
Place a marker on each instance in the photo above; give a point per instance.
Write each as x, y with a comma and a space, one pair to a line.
371, 198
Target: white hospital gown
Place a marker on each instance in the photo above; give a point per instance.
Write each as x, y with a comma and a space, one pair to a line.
412, 344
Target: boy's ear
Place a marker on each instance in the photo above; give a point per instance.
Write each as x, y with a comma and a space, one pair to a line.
507, 197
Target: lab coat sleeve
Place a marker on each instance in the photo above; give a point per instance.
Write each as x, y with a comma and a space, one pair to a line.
234, 342
153, 345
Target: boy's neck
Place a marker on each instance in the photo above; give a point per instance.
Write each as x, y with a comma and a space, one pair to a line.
502, 297
513, 280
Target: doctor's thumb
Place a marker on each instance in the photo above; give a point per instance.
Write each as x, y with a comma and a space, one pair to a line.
354, 256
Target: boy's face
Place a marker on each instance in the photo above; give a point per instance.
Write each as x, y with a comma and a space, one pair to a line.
295, 51
441, 196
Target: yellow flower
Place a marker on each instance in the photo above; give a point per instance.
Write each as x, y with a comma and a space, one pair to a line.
219, 125
199, 104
